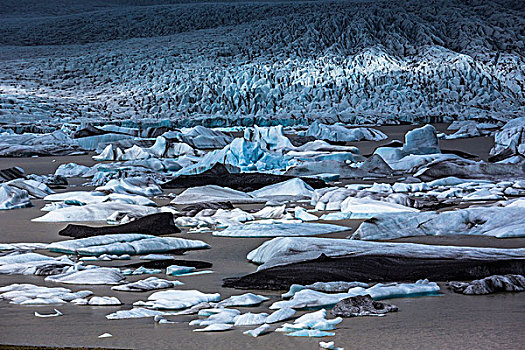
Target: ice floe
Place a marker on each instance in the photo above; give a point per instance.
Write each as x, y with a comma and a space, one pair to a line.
177, 299
125, 244
286, 250
278, 229
150, 283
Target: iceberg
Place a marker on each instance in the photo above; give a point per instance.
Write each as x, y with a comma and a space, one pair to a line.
282, 314
150, 283
177, 299
248, 299
286, 250
308, 298
101, 275
279, 229
258, 331
293, 188
213, 193
56, 314
366, 208
104, 301
137, 312
143, 186
95, 212
500, 222
270, 138
119, 244
216, 327
250, 319
13, 198
339, 133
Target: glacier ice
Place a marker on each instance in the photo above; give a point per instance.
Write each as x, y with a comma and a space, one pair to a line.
102, 275
278, 229
104, 301
258, 331
250, 319
213, 193
13, 198
94, 212
287, 250
56, 314
280, 315
150, 283
177, 299
130, 243
499, 222
248, 299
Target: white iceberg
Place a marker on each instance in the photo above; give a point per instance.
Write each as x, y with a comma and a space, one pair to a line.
95, 212
213, 193
287, 250
150, 283
248, 299
279, 229
177, 299
13, 198
250, 319
101, 275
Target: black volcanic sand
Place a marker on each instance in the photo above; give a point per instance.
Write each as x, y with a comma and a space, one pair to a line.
438, 322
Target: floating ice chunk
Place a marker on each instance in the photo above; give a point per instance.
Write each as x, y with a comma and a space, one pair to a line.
137, 312
308, 298
258, 331
24, 258
22, 246
337, 216
150, 283
125, 244
401, 290
56, 314
84, 197
220, 316
498, 222
102, 275
301, 214
176, 270
178, 299
422, 141
270, 212
156, 257
250, 319
13, 198
143, 186
71, 170
109, 153
104, 301
281, 315
218, 310
247, 156
248, 299
140, 271
278, 229
34, 188
339, 132
482, 195
216, 327
94, 212
30, 294
296, 188
327, 345
331, 287
135, 153
311, 333
286, 250
366, 208
105, 335
212, 193
270, 138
